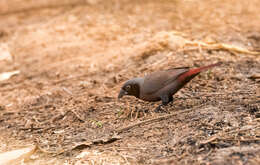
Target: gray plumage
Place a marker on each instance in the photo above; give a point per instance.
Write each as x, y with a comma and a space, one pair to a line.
160, 85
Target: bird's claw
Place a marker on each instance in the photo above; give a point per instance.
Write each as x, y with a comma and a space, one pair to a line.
159, 109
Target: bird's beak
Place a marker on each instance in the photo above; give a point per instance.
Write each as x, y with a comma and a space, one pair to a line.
122, 93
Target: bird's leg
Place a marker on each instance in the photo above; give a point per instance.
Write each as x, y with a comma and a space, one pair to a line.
171, 100
165, 100
158, 109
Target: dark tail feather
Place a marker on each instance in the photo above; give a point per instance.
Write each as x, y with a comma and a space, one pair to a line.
195, 71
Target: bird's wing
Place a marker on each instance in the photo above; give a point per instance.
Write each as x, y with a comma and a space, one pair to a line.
157, 80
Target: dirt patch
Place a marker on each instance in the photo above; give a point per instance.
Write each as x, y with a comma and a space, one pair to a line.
73, 59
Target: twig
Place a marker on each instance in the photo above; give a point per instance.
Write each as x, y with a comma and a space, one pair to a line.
126, 148
220, 134
49, 6
77, 116
120, 130
210, 139
68, 78
243, 129
48, 152
218, 46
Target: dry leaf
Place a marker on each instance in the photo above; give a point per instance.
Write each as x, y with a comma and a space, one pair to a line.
7, 75
16, 156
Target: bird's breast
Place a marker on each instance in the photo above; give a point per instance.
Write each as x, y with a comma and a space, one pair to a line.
150, 97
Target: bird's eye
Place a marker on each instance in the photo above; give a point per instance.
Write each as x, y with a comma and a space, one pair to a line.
128, 87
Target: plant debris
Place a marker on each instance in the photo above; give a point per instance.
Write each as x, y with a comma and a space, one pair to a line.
66, 61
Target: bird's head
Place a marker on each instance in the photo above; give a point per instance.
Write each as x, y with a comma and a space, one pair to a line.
131, 87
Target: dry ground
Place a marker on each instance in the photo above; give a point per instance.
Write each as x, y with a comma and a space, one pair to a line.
74, 55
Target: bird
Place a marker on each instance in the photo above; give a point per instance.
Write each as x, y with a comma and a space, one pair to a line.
161, 85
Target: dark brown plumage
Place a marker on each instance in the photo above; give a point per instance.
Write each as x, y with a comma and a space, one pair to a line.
161, 85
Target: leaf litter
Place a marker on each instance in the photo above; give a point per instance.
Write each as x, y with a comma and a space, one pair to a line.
64, 99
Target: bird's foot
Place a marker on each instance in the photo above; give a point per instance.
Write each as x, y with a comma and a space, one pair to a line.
160, 109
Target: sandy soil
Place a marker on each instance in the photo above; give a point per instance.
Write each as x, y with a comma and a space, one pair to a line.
73, 57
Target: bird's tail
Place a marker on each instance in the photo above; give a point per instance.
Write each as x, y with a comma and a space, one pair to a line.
204, 68
195, 71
